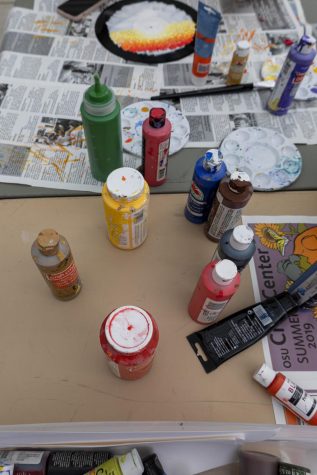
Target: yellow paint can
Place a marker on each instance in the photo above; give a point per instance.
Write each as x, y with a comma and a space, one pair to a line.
126, 198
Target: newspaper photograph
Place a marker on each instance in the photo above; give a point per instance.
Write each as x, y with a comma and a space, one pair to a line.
283, 254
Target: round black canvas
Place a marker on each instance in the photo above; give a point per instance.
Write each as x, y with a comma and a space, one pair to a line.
103, 36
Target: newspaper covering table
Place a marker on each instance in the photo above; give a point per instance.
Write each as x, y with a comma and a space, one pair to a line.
47, 62
285, 247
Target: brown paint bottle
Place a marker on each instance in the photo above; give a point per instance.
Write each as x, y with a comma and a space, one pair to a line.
52, 255
233, 194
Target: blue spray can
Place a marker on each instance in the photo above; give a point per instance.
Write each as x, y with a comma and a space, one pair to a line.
209, 171
299, 59
237, 245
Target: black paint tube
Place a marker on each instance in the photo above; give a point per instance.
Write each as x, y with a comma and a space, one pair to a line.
219, 342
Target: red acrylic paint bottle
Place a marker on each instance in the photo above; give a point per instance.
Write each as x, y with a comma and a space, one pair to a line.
217, 284
129, 337
156, 132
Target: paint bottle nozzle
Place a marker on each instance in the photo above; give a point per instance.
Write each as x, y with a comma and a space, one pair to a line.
99, 99
98, 88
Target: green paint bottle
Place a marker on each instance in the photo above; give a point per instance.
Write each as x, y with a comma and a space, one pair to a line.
100, 113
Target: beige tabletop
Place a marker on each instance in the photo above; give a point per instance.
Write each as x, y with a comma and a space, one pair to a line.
52, 368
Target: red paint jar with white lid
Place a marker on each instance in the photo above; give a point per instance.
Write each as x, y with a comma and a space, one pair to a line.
129, 337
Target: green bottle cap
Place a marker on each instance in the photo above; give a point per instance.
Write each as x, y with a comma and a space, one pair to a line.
99, 99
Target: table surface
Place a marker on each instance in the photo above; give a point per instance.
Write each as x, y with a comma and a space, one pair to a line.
181, 165
51, 365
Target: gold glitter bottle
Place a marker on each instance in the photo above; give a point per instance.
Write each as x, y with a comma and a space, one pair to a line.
52, 255
238, 63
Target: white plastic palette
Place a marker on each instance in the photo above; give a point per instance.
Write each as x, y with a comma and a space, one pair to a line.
270, 159
133, 116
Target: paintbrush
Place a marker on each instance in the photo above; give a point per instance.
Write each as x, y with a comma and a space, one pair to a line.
249, 86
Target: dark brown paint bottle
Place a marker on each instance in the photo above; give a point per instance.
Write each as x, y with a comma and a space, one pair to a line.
233, 194
52, 255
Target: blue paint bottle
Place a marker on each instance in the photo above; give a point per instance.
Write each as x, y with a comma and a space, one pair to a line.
209, 171
299, 59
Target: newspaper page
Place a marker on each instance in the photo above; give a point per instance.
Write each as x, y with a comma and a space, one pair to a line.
283, 253
47, 62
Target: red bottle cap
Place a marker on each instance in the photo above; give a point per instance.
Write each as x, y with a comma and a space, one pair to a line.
157, 117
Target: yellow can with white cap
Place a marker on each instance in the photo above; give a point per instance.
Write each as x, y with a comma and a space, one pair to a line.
126, 198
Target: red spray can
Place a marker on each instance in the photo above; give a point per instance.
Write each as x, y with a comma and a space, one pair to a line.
218, 282
156, 132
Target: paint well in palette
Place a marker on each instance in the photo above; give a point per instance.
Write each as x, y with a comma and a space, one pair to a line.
269, 158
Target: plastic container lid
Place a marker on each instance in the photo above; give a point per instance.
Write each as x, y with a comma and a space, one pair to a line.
241, 237
241, 176
224, 272
239, 181
157, 117
243, 47
129, 329
306, 44
99, 100
265, 375
47, 241
125, 183
213, 159
131, 463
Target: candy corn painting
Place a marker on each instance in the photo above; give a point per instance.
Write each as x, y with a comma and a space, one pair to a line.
149, 29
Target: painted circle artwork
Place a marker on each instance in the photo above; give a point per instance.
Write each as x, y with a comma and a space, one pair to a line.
148, 31
133, 116
271, 160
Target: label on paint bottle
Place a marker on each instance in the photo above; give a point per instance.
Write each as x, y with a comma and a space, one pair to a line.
21, 457
196, 200
210, 310
290, 469
296, 398
123, 236
279, 90
224, 219
203, 68
162, 160
64, 279
139, 226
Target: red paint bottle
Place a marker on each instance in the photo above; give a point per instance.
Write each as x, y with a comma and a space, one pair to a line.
217, 284
156, 132
129, 337
292, 396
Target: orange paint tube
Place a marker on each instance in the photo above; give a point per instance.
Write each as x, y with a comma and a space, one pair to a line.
208, 21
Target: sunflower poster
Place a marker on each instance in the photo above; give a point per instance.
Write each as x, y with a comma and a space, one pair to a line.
286, 246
